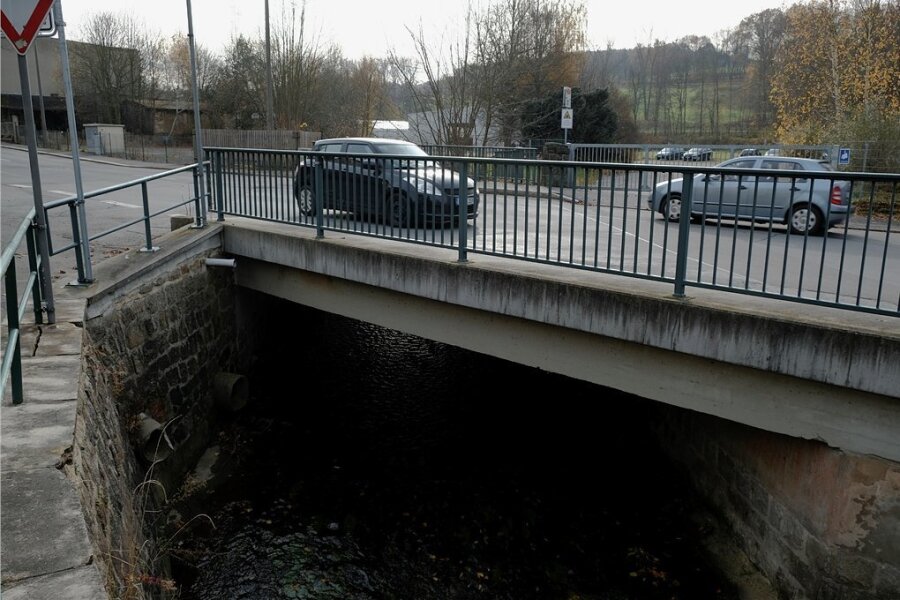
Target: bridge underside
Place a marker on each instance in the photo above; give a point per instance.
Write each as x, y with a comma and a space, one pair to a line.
803, 371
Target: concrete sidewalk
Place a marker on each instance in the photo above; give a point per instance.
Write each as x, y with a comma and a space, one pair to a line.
46, 553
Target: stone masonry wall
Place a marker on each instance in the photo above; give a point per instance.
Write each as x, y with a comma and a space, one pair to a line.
820, 523
156, 351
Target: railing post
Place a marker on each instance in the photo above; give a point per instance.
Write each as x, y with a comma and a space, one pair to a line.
80, 254
12, 325
33, 266
148, 236
463, 211
195, 175
319, 198
684, 231
205, 205
220, 186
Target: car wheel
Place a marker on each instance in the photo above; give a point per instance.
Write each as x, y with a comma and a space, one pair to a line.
398, 210
671, 208
806, 219
306, 200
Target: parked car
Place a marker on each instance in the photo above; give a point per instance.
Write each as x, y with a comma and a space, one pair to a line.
803, 203
773, 152
396, 190
698, 154
670, 153
750, 152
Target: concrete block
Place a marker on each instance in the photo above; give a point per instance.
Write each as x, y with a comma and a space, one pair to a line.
179, 221
34, 435
49, 378
43, 526
83, 583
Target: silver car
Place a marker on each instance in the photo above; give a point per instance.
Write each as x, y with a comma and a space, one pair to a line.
805, 204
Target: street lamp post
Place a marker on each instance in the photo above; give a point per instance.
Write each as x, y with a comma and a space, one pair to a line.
198, 149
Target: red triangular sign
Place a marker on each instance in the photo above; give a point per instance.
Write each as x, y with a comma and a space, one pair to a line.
21, 20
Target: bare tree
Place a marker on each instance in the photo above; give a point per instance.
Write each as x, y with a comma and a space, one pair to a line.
441, 86
299, 62
118, 61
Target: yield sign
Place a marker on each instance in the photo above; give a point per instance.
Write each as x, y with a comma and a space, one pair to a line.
21, 20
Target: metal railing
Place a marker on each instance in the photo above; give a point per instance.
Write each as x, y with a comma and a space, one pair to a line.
80, 245
596, 217
16, 305
28, 231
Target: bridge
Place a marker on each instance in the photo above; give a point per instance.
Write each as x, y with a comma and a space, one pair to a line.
811, 363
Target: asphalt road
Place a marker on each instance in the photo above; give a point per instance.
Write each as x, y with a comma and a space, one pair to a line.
57, 177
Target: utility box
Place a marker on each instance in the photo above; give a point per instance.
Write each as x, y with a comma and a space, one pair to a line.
104, 139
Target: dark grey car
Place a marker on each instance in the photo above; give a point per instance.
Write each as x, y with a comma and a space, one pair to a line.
391, 181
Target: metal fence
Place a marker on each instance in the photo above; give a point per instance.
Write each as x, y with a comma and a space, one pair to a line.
559, 214
16, 305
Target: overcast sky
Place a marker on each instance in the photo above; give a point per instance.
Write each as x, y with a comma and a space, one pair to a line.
372, 27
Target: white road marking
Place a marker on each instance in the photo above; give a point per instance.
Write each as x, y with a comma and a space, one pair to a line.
28, 187
114, 203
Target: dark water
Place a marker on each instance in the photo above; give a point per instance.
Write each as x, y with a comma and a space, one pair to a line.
373, 464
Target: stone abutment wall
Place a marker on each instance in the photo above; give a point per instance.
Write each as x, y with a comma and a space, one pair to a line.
818, 522
151, 357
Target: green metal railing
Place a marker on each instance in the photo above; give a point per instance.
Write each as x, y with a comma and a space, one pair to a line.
28, 232
597, 217
16, 305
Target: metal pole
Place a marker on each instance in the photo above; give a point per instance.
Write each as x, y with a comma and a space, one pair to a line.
39, 216
85, 273
270, 110
198, 150
37, 68
684, 229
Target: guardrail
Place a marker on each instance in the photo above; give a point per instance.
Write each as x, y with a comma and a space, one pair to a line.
80, 242
28, 231
598, 217
16, 305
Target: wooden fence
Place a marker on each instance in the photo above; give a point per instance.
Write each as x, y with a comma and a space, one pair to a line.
277, 139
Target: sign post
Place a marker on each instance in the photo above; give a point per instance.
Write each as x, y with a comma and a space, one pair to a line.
21, 20
566, 120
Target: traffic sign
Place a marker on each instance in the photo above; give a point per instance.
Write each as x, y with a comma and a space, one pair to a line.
567, 97
844, 156
567, 118
21, 21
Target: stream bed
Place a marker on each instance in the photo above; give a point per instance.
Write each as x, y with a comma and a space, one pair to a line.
372, 464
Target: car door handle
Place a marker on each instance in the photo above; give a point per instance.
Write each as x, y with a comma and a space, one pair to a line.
742, 187
794, 188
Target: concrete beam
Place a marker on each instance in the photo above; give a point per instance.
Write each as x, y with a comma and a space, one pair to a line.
790, 368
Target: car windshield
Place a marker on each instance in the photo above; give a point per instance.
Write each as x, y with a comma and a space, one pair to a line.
400, 149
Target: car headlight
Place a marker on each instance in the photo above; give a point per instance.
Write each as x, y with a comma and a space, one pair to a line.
423, 186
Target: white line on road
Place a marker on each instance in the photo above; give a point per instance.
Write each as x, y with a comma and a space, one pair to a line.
114, 203
28, 187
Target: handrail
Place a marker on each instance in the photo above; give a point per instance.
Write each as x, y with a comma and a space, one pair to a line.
16, 306
80, 244
120, 186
